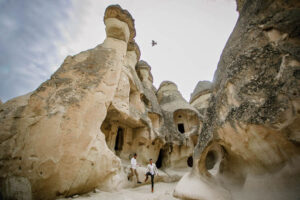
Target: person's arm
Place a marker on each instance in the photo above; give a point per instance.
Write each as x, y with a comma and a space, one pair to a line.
148, 169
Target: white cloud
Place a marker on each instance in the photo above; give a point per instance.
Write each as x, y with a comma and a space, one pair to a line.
190, 35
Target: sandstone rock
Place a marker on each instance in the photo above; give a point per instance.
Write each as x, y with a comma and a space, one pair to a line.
180, 127
131, 119
16, 188
133, 46
52, 136
202, 86
144, 73
116, 12
201, 96
249, 143
79, 129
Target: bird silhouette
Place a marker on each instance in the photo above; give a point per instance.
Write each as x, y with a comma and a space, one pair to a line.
154, 43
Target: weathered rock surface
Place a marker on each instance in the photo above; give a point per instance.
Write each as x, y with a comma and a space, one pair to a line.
116, 12
77, 131
201, 87
52, 136
144, 72
248, 147
201, 96
180, 128
16, 188
134, 117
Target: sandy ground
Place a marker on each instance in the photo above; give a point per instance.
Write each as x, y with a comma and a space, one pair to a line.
162, 191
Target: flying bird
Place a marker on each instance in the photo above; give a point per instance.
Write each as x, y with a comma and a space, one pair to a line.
154, 43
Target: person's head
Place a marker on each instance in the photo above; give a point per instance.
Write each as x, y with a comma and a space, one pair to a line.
134, 155
150, 160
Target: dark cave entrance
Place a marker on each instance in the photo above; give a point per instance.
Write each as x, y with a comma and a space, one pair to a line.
190, 161
210, 160
159, 161
180, 128
119, 141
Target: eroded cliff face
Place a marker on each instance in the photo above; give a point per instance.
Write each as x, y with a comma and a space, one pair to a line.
52, 136
200, 97
240, 134
77, 131
180, 128
248, 147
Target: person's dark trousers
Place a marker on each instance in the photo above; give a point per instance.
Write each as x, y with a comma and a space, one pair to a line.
152, 178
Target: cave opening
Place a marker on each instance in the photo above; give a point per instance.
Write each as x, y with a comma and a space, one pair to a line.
119, 141
159, 161
190, 161
181, 128
210, 160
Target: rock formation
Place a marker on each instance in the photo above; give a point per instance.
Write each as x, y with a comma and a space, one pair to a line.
52, 137
240, 134
248, 147
180, 128
201, 96
77, 131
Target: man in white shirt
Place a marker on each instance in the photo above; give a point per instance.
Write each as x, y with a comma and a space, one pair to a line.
151, 170
133, 168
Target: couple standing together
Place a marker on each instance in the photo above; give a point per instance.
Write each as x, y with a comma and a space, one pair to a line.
151, 170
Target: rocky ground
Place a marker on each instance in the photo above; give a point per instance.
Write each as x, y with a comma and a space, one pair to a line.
163, 191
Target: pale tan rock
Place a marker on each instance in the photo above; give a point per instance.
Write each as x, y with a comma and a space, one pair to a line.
200, 98
133, 46
131, 126
181, 126
117, 29
115, 11
248, 147
143, 70
52, 136
79, 129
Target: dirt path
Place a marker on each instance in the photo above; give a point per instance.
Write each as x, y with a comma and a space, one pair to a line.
163, 191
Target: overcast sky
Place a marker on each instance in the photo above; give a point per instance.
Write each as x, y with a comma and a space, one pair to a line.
36, 36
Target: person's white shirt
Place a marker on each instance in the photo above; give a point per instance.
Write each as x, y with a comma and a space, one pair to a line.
133, 163
152, 169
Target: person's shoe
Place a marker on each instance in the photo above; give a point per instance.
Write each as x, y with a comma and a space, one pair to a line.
152, 190
139, 182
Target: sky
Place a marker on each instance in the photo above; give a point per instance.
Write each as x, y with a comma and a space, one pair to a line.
36, 36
